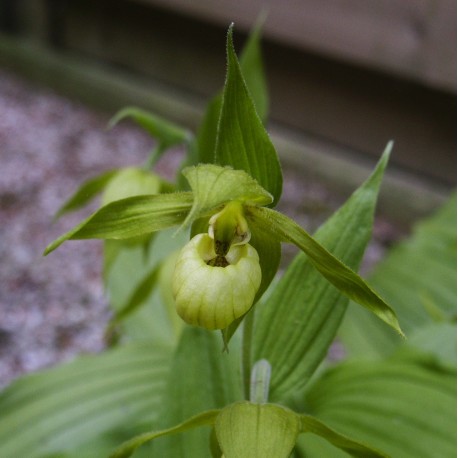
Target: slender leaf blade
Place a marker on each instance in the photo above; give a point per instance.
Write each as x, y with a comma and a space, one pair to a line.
201, 378
419, 277
337, 273
167, 133
252, 69
242, 141
299, 320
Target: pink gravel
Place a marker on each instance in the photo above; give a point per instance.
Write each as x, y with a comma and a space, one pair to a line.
54, 308
51, 308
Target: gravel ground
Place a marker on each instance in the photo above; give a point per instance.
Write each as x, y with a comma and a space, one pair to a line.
54, 308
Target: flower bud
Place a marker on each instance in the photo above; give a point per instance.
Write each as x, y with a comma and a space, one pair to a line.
211, 290
131, 181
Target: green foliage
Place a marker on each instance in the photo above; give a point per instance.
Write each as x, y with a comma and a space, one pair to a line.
308, 306
191, 390
242, 142
419, 278
60, 410
403, 406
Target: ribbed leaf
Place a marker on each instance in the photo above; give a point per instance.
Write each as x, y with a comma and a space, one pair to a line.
202, 377
131, 217
253, 72
296, 325
61, 409
242, 140
419, 277
402, 407
438, 341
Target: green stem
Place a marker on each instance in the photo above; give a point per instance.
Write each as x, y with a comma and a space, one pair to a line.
247, 340
153, 157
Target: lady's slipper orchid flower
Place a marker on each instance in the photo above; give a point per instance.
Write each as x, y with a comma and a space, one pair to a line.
231, 200
212, 290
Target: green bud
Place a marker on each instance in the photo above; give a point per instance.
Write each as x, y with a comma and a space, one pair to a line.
130, 182
212, 290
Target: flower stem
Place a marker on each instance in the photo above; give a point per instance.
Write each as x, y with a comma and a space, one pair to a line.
153, 157
247, 340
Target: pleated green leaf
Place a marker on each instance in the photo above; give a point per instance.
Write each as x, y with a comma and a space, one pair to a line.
438, 341
213, 186
354, 448
61, 409
298, 322
201, 378
246, 430
419, 277
253, 72
242, 141
128, 448
130, 217
167, 133
86, 192
404, 407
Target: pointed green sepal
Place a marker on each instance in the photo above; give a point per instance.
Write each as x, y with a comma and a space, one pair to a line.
128, 448
213, 186
242, 141
131, 217
338, 274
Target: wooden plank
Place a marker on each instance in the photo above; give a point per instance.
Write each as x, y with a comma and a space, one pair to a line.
415, 39
405, 197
